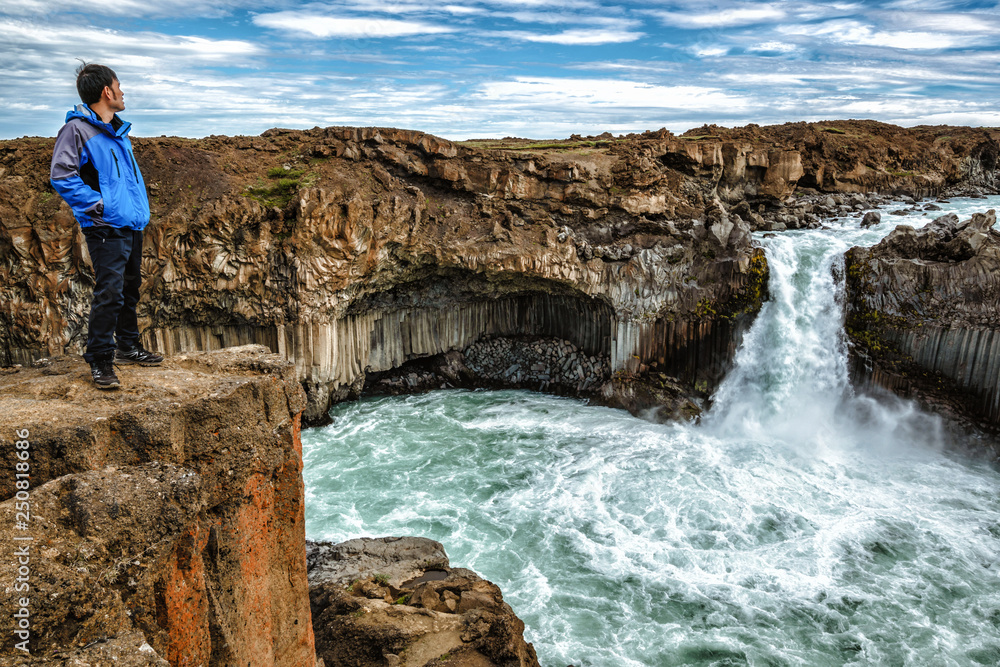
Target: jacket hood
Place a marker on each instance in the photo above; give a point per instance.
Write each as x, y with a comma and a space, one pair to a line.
84, 112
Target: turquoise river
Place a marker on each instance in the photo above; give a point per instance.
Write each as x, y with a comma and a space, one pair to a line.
800, 523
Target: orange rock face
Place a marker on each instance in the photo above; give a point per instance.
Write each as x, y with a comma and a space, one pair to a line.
171, 508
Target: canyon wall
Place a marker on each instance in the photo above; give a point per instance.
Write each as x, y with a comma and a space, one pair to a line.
352, 251
922, 317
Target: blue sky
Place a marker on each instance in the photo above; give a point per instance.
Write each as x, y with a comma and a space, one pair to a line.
493, 68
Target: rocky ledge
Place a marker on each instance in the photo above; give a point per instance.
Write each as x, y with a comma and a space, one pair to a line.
163, 524
398, 602
922, 317
165, 518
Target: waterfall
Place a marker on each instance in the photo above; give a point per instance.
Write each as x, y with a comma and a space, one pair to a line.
790, 379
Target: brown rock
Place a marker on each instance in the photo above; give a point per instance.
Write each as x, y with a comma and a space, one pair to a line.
169, 510
396, 559
358, 251
921, 316
442, 616
871, 219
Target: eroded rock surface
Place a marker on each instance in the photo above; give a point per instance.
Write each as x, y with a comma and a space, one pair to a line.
353, 251
166, 518
397, 601
923, 320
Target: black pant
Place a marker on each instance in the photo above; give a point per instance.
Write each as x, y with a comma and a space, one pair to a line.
116, 255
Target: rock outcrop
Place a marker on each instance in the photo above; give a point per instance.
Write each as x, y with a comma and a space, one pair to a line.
165, 519
858, 156
353, 251
397, 601
922, 316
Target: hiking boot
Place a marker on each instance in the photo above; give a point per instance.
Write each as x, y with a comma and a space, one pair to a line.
104, 374
137, 355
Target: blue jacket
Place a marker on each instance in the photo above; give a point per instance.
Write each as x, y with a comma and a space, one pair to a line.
94, 170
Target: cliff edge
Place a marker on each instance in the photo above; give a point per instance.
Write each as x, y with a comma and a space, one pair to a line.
161, 523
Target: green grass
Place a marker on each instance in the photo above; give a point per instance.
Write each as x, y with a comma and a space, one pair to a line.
281, 172
834, 130
281, 191
277, 194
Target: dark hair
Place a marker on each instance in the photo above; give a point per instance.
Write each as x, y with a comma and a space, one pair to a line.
91, 80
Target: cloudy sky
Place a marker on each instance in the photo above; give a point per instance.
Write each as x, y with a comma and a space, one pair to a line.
492, 68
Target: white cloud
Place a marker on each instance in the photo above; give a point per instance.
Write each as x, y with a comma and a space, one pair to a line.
777, 78
856, 33
922, 5
378, 7
579, 36
724, 18
631, 66
587, 29
814, 12
875, 75
133, 8
981, 24
970, 118
461, 10
561, 4
26, 106
323, 26
564, 17
117, 44
709, 51
605, 93
773, 47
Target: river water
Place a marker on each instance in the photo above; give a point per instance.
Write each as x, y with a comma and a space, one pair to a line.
798, 524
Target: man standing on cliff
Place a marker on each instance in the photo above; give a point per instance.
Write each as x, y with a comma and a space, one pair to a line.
94, 170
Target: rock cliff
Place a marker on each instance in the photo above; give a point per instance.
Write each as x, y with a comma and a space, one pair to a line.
857, 156
922, 316
165, 520
397, 601
353, 251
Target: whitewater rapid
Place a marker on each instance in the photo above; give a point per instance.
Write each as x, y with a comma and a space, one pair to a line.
799, 524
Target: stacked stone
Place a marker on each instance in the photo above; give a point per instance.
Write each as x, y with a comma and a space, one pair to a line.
809, 211
542, 363
414, 381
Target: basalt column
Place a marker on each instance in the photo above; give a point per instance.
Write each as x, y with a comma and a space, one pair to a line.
922, 316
